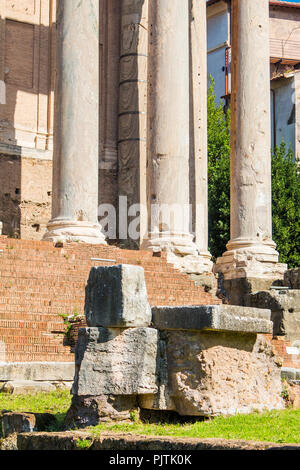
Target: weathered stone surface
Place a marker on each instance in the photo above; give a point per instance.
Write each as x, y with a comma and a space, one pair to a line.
285, 308
22, 387
206, 280
69, 441
212, 373
212, 317
292, 278
236, 290
115, 361
76, 134
90, 411
116, 296
25, 422
47, 371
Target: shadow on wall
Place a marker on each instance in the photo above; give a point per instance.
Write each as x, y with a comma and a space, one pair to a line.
24, 87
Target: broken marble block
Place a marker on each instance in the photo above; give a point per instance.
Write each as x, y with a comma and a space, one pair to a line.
212, 361
115, 361
116, 297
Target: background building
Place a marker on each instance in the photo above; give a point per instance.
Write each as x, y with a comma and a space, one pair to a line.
284, 63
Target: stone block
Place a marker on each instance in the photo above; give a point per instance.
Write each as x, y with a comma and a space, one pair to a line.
37, 371
285, 310
24, 387
116, 297
115, 361
212, 317
213, 373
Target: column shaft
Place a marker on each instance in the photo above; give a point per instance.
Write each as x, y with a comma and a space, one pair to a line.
169, 140
251, 250
198, 98
112, 55
133, 101
76, 132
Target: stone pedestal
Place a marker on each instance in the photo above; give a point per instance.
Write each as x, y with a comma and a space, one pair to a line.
212, 361
76, 133
251, 251
196, 361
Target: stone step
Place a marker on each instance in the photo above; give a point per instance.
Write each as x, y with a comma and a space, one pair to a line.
39, 281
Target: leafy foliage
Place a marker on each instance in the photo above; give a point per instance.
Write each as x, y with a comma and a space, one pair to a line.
218, 128
286, 205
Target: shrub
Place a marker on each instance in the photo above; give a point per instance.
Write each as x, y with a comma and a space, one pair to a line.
218, 129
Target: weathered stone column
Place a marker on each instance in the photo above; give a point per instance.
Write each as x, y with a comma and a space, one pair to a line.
198, 98
76, 133
251, 251
133, 103
111, 99
169, 133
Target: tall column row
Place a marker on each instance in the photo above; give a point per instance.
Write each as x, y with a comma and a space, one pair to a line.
162, 141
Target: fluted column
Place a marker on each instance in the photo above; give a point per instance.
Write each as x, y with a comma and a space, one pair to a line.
76, 132
251, 251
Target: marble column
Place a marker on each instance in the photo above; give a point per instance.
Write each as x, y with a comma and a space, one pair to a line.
169, 131
76, 128
198, 101
251, 252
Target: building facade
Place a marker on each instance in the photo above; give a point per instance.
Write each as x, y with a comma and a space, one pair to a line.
284, 63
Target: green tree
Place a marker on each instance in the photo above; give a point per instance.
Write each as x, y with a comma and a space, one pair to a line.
218, 129
285, 189
286, 205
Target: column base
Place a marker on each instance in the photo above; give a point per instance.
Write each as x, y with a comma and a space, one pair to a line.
250, 259
74, 231
182, 252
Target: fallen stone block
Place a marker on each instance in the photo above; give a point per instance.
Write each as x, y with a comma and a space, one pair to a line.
212, 317
12, 422
211, 373
116, 297
115, 361
23, 387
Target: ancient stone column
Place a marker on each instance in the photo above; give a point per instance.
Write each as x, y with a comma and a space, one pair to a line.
251, 251
133, 103
169, 131
111, 57
76, 133
198, 99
